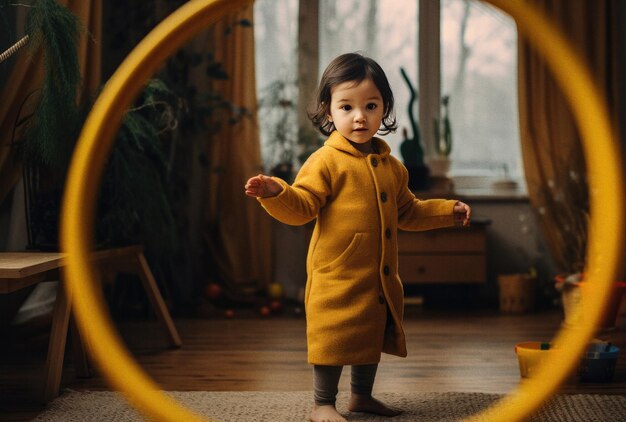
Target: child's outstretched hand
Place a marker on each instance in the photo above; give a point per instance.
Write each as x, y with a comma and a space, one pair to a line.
462, 214
262, 186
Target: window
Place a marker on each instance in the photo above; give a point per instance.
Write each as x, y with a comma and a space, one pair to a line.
385, 30
477, 68
478, 72
275, 34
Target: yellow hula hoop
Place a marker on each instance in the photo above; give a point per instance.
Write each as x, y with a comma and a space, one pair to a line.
96, 140
606, 209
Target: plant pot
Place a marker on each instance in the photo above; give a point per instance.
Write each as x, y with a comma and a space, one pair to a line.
573, 298
439, 166
419, 177
517, 293
572, 303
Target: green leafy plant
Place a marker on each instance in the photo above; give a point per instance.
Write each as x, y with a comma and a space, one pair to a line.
55, 120
308, 143
194, 76
411, 148
135, 192
136, 195
145, 193
135, 201
47, 121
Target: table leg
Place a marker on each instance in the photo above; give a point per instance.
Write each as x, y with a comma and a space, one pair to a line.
56, 345
152, 290
79, 351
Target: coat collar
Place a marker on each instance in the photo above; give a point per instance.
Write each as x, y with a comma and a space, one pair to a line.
337, 141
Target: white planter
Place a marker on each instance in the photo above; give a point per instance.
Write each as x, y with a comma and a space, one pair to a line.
439, 166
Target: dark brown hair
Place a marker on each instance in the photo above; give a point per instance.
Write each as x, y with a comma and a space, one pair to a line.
351, 67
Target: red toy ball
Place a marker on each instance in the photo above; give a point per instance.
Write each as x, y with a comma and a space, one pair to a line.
213, 291
229, 313
276, 306
264, 311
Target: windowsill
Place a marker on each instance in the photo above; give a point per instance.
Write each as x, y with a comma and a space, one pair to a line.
479, 192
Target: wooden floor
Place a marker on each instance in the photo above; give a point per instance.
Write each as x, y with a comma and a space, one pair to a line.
448, 351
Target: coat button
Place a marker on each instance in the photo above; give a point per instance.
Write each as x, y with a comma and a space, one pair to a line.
381, 299
383, 197
386, 269
388, 233
374, 161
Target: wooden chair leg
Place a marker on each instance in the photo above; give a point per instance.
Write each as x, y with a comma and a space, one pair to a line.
79, 351
152, 290
56, 345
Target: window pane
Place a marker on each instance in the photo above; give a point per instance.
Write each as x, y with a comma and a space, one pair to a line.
479, 73
275, 34
385, 30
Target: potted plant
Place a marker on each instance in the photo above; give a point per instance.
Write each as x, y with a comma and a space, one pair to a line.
442, 130
48, 118
411, 148
567, 197
567, 200
134, 196
575, 287
277, 111
308, 143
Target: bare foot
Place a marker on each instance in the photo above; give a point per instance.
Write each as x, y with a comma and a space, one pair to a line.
368, 404
326, 413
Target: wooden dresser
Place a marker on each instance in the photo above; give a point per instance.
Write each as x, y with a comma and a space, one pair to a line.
452, 255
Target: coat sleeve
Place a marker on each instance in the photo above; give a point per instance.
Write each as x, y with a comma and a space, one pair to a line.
300, 203
415, 214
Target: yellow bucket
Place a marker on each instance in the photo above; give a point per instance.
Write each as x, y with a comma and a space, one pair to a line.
530, 354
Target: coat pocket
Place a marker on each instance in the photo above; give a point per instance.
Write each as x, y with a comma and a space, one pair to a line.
344, 256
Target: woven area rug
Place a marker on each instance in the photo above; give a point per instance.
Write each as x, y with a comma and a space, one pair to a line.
295, 407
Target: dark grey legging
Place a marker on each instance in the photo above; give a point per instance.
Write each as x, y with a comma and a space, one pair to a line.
326, 379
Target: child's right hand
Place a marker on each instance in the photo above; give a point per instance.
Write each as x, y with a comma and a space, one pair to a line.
262, 186
462, 214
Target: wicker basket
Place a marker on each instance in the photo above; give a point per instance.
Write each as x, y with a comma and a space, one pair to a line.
517, 293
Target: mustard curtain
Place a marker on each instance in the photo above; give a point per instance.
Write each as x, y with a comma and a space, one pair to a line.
237, 231
27, 76
551, 149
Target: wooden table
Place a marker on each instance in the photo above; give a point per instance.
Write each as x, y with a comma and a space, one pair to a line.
19, 270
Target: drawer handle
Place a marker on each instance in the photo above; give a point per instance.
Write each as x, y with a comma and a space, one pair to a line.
421, 270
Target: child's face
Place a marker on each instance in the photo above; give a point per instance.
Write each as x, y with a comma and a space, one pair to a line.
356, 110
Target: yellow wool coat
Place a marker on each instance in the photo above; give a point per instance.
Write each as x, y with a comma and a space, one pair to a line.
354, 297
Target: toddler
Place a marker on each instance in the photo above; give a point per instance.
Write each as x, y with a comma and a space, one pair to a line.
358, 193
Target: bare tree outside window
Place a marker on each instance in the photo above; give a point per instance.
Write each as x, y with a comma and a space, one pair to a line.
382, 29
479, 50
275, 35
